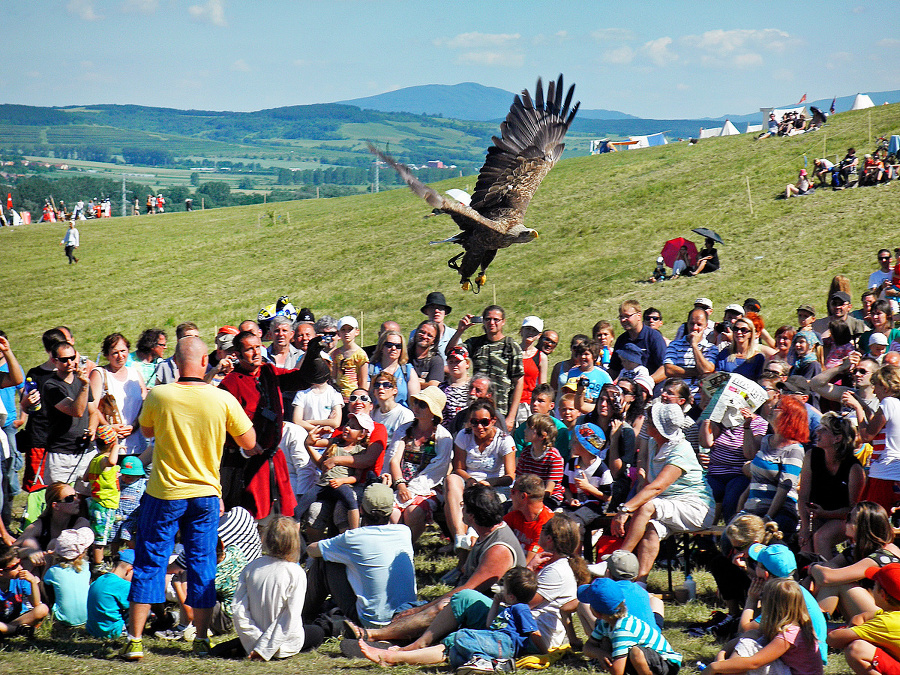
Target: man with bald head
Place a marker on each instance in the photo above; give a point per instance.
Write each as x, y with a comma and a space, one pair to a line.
190, 421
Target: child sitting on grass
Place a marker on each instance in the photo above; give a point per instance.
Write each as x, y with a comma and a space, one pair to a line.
871, 643
66, 584
542, 459
102, 475
511, 632
622, 642
337, 482
788, 641
107, 599
21, 609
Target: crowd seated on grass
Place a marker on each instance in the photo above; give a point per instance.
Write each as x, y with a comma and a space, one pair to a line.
873, 170
516, 465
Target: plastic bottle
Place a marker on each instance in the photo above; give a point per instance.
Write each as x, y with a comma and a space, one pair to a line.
30, 386
691, 587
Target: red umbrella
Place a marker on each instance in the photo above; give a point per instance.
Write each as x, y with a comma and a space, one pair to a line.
670, 250
8, 199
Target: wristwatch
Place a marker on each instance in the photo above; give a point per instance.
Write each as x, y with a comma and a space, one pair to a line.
624, 509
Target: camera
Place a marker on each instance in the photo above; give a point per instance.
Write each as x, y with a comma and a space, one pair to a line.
723, 326
477, 319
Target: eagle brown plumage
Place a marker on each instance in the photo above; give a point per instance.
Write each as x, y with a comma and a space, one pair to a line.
530, 143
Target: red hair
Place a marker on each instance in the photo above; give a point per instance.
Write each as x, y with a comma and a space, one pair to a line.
792, 422
756, 320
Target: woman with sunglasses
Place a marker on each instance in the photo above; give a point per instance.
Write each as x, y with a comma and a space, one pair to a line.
831, 483
621, 445
390, 356
389, 413
319, 517
483, 454
742, 356
63, 512
419, 459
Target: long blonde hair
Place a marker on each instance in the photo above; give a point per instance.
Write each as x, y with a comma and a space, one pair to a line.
783, 605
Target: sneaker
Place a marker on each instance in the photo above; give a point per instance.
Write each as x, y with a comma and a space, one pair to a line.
189, 633
476, 666
133, 650
200, 648
504, 665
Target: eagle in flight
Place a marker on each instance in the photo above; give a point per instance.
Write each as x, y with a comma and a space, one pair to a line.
530, 143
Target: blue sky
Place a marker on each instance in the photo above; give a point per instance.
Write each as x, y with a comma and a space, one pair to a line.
651, 59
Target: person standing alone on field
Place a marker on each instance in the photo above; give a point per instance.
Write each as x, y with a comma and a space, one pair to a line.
71, 241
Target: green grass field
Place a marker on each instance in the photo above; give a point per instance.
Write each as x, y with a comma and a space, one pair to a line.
602, 221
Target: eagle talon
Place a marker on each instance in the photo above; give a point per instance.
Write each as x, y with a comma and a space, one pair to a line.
465, 285
480, 279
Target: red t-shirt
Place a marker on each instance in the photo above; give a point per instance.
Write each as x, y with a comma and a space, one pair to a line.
528, 532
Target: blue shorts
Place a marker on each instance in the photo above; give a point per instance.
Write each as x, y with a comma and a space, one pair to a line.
160, 520
467, 643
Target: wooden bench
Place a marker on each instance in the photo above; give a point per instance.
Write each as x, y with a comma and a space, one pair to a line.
684, 543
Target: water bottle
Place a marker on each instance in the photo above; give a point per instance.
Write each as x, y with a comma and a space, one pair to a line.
691, 587
30, 386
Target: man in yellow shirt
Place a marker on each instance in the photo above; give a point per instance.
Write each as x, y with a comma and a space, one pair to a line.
189, 420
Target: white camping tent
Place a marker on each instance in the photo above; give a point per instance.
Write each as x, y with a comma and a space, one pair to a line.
649, 141
862, 101
780, 112
709, 133
729, 129
753, 128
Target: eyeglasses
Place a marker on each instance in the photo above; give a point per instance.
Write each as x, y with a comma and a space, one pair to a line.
393, 345
68, 499
66, 359
492, 319
162, 344
859, 371
622, 317
383, 385
353, 398
482, 422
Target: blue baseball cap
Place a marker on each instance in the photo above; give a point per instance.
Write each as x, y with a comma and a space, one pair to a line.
126, 555
631, 352
778, 559
591, 437
603, 595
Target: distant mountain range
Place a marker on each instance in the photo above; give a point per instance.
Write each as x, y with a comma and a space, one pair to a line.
466, 101
472, 101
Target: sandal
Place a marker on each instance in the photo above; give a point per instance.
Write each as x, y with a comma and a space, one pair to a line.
353, 632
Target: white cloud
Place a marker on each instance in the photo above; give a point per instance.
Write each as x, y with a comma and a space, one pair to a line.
658, 51
83, 9
140, 6
748, 60
489, 58
240, 66
478, 40
740, 48
612, 35
558, 37
618, 56
212, 12
888, 43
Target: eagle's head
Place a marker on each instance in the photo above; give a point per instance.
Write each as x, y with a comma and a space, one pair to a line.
526, 236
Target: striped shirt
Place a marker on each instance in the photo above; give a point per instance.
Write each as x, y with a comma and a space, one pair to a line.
547, 467
771, 468
727, 454
236, 528
630, 631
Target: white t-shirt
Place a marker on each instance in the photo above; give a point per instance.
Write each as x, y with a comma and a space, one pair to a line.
302, 471
556, 584
487, 464
393, 420
886, 464
316, 404
878, 277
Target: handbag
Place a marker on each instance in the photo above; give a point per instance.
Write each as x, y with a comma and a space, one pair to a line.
108, 405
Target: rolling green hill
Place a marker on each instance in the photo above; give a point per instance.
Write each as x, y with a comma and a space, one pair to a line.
602, 221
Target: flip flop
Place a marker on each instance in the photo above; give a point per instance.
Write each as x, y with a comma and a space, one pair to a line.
350, 647
351, 631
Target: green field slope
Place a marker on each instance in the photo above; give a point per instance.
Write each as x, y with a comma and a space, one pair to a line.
602, 221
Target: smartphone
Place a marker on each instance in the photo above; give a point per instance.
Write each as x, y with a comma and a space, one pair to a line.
477, 319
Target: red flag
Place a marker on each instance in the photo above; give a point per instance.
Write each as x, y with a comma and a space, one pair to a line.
802, 99
833, 101
9, 200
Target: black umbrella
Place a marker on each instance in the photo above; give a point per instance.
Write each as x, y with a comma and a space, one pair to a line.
706, 232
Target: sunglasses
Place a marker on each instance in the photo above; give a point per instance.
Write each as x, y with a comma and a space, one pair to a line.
68, 499
393, 345
482, 422
13, 566
359, 397
66, 359
383, 385
654, 318
741, 330
858, 371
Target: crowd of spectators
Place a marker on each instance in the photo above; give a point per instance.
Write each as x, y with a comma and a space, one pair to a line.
342, 456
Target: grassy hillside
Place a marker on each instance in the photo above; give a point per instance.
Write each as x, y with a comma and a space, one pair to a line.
602, 221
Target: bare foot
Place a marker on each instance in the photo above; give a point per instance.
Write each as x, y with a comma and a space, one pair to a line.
379, 656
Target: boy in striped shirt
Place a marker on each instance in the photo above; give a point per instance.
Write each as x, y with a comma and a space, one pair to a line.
622, 642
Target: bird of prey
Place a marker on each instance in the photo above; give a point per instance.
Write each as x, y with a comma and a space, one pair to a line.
530, 143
